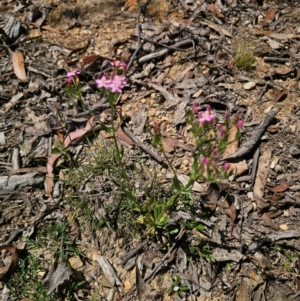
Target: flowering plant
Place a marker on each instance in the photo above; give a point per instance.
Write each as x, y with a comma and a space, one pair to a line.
211, 138
73, 84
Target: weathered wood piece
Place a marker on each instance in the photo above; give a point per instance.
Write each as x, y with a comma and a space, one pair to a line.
9, 184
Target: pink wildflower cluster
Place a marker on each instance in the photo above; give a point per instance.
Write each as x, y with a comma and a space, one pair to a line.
204, 117
114, 82
71, 75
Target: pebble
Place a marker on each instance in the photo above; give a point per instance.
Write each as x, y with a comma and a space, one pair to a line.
75, 262
249, 85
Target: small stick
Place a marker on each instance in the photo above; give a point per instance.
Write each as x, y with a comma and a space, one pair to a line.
145, 148
125, 257
250, 143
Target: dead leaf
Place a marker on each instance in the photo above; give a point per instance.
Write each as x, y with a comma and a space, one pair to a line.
217, 28
261, 203
274, 198
279, 188
272, 129
144, 289
230, 210
227, 255
211, 198
275, 35
238, 168
169, 144
278, 94
212, 8
233, 146
270, 16
19, 66
123, 137
62, 273
268, 221
51, 29
74, 229
10, 261
109, 271
129, 3
262, 172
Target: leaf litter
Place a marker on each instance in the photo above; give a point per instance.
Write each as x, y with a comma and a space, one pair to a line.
183, 52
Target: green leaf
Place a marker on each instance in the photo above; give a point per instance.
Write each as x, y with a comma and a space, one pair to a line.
171, 200
177, 184
194, 170
56, 151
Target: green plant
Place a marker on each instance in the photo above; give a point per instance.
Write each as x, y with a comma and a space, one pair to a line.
150, 210
27, 283
243, 56
202, 251
176, 286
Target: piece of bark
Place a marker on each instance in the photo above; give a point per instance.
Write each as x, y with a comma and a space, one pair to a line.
9, 184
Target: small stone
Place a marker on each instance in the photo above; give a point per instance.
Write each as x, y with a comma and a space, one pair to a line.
143, 100
185, 162
75, 262
249, 85
284, 227
151, 112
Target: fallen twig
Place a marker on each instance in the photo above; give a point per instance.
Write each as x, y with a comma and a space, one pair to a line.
144, 147
251, 142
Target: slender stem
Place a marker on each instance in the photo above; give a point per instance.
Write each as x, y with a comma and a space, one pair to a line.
124, 175
168, 162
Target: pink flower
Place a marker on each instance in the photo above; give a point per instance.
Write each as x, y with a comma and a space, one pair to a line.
206, 117
205, 161
119, 64
214, 152
117, 83
72, 74
239, 124
226, 166
226, 115
194, 108
103, 82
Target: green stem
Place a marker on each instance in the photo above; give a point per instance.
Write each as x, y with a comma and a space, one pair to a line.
123, 172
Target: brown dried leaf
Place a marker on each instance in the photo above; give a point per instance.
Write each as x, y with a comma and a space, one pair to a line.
211, 198
144, 289
261, 203
212, 8
270, 16
19, 66
233, 146
272, 129
51, 29
275, 198
279, 36
8, 269
269, 222
169, 144
230, 210
74, 229
279, 188
278, 94
238, 168
123, 137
